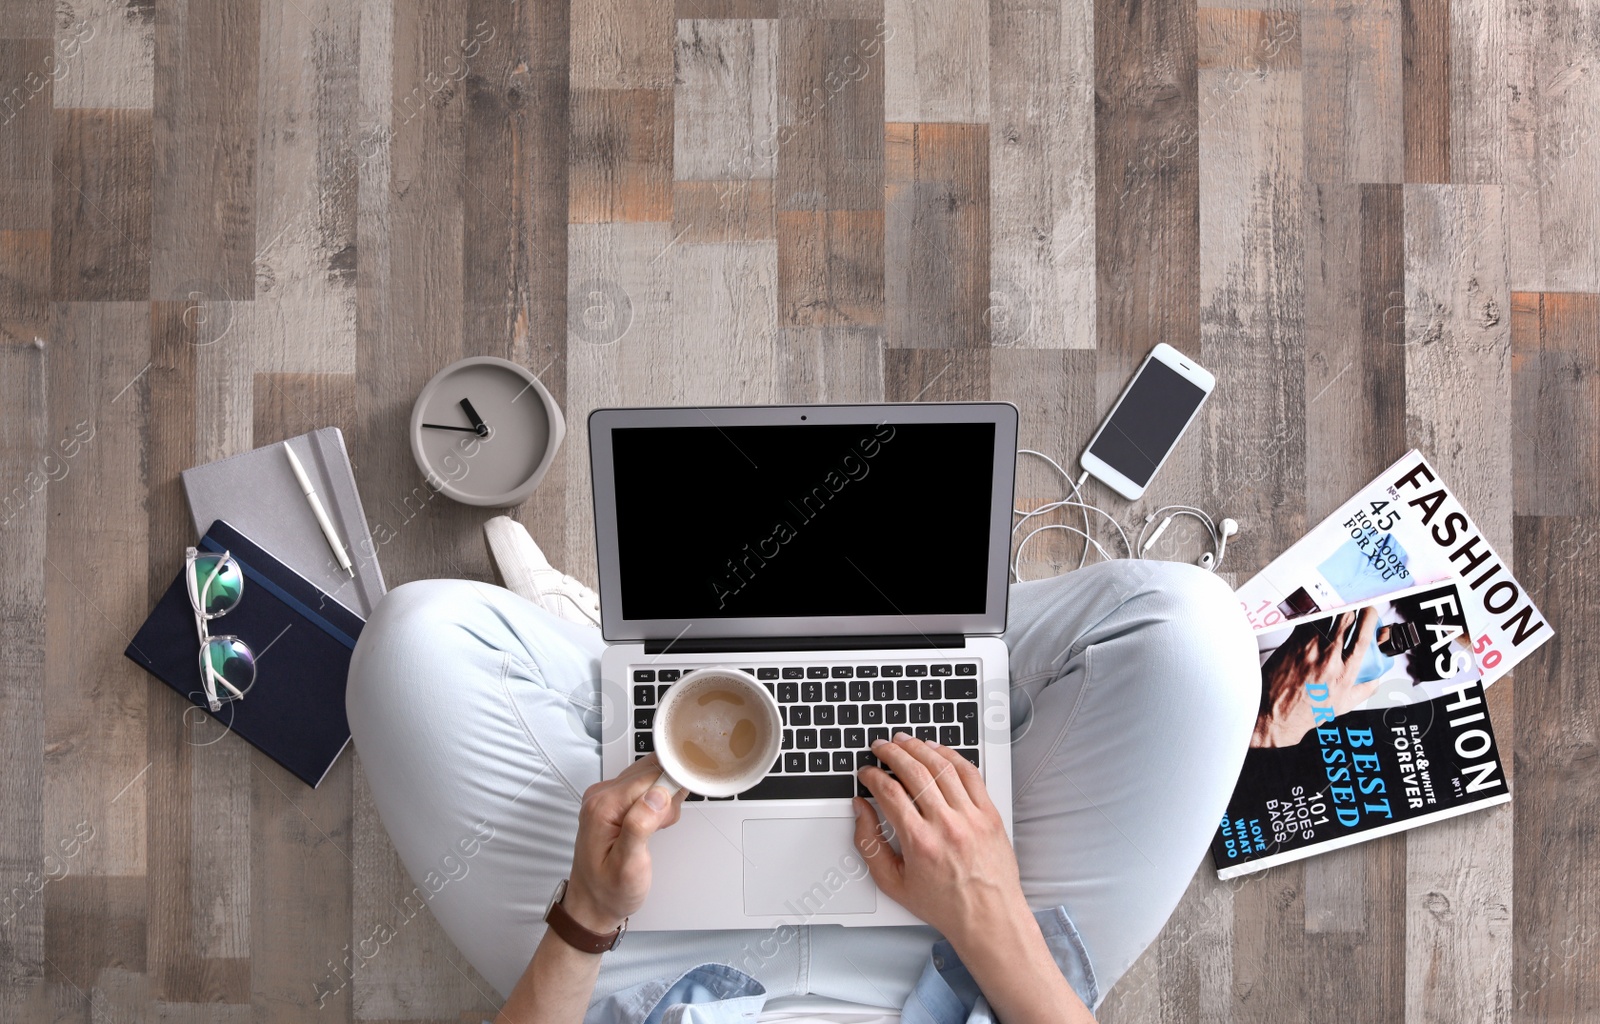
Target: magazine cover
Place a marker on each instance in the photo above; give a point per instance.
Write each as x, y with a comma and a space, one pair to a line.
1419, 645
1403, 529
1372, 721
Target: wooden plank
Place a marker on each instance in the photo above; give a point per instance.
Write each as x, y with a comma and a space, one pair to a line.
1554, 893
1426, 86
104, 55
1458, 382
29, 458
541, 132
289, 404
723, 345
493, 262
831, 267
1355, 383
723, 211
312, 149
1054, 392
100, 216
621, 306
423, 976
1269, 983
26, 19
1484, 45
301, 844
621, 155
726, 9
95, 734
936, 231
24, 287
26, 86
1354, 101
725, 104
936, 375
1252, 313
1555, 163
830, 114
622, 44
831, 9
1041, 177
173, 728
1555, 349
937, 64
1147, 181
830, 173
829, 364
93, 922
1252, 41
203, 224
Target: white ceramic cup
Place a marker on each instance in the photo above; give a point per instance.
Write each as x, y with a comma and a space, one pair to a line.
668, 726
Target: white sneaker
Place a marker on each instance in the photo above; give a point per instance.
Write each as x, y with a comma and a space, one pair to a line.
528, 573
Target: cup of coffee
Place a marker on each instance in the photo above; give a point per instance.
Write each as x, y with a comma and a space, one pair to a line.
717, 732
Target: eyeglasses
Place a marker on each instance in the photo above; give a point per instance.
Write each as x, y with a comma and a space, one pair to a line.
227, 665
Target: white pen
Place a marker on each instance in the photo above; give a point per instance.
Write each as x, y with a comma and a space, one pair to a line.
318, 511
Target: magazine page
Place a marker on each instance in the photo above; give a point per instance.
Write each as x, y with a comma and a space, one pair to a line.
1420, 644
1336, 758
1403, 529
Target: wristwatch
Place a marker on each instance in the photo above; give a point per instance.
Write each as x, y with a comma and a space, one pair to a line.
575, 934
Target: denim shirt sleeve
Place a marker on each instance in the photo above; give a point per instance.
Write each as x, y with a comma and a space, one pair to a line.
945, 993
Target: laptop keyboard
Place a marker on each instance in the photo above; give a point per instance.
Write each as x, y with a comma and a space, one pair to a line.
831, 716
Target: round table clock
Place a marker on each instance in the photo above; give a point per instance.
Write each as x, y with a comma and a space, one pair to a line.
484, 431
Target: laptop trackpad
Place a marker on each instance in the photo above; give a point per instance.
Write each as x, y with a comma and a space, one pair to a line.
802, 867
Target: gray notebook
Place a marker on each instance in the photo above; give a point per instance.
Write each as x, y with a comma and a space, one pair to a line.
257, 494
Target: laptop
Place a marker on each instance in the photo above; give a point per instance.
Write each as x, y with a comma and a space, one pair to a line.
853, 558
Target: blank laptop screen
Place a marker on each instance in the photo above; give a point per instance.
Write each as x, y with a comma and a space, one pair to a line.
802, 520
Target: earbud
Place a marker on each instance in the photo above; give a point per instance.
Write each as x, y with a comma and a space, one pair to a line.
1225, 529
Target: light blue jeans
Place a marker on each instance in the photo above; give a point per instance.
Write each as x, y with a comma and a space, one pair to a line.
1134, 687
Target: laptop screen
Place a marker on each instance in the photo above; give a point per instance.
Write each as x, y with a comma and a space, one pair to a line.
792, 520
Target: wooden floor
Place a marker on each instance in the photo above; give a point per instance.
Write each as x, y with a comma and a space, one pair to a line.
224, 223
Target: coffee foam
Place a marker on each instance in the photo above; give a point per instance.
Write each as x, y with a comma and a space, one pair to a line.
715, 728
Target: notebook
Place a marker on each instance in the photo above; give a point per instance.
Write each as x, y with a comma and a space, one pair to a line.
302, 642
257, 494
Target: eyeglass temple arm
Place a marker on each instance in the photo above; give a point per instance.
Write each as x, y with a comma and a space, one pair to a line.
212, 676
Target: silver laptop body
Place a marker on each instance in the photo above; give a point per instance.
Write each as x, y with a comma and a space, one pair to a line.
852, 557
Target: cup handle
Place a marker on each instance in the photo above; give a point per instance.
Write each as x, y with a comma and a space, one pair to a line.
667, 783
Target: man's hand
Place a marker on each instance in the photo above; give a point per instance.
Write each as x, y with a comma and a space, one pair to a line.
1310, 656
610, 879
610, 862
955, 869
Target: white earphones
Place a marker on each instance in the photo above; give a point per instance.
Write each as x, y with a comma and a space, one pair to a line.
1219, 531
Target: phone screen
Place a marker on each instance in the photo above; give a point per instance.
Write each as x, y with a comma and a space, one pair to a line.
1147, 422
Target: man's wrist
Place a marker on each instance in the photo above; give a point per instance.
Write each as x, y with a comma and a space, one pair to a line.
997, 930
586, 911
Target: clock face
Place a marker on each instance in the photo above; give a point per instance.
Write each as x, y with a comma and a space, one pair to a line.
484, 430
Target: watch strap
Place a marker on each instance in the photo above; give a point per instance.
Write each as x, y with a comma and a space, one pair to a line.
575, 934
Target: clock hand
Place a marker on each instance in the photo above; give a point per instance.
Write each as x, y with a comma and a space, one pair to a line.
478, 426
441, 426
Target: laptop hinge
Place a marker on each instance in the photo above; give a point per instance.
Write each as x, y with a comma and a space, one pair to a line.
753, 644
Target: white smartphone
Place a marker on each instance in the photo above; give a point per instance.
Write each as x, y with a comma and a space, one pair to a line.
1145, 424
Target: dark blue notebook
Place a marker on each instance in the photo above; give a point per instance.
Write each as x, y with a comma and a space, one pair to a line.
302, 640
